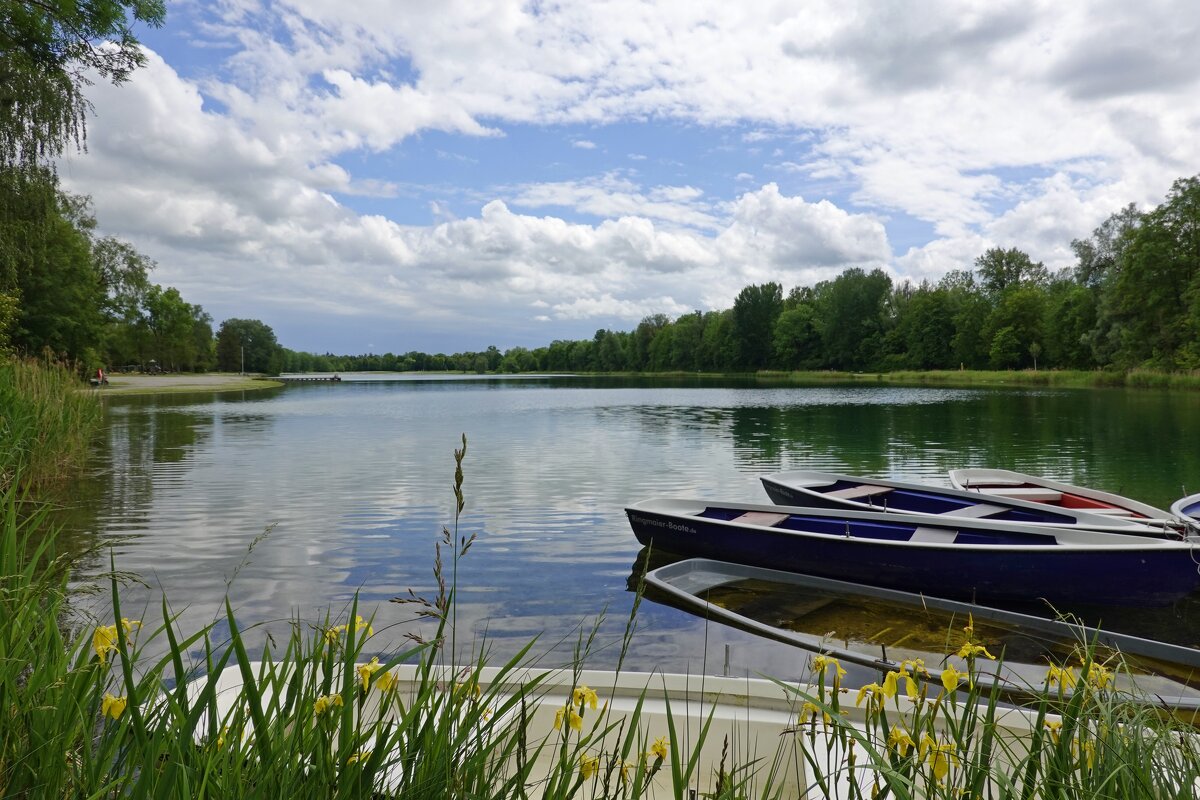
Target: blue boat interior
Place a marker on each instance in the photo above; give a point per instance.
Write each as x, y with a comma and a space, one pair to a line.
890, 531
919, 502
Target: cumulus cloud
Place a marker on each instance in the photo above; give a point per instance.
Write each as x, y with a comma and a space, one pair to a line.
996, 123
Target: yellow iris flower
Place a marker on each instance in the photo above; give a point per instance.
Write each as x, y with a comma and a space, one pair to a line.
583, 695
588, 765
1063, 676
660, 747
334, 634
938, 755
900, 741
105, 640
573, 720
112, 706
327, 702
366, 671
361, 755
810, 711
386, 682
872, 690
969, 650
951, 678
1055, 728
821, 665
1097, 675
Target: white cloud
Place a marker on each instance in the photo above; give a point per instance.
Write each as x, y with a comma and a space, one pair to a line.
996, 123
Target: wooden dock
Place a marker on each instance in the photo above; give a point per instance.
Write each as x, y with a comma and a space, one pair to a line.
307, 379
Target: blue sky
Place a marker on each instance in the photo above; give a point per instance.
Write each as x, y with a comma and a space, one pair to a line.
375, 176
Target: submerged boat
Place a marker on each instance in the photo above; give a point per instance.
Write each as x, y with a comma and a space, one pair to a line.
1018, 485
1187, 509
881, 628
831, 490
958, 558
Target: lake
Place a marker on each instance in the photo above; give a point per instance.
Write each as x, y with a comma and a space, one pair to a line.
351, 483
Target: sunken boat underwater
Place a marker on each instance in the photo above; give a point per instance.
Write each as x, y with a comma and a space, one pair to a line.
831, 490
968, 559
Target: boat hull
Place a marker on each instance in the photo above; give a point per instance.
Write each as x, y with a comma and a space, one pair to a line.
1154, 575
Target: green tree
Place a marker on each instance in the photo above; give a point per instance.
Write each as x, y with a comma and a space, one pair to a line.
925, 329
797, 340
1159, 276
999, 270
716, 342
47, 48
1018, 315
253, 341
1005, 351
854, 318
755, 311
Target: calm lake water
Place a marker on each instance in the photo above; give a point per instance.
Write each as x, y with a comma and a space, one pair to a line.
353, 483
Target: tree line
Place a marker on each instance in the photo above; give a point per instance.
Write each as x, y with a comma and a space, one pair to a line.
1131, 300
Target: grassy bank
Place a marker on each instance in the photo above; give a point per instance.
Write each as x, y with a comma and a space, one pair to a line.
46, 424
1077, 379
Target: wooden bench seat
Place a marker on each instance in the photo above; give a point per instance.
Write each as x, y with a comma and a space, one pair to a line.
973, 512
1033, 493
764, 518
934, 535
855, 492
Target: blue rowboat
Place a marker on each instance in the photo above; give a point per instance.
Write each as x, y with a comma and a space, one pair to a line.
831, 490
958, 559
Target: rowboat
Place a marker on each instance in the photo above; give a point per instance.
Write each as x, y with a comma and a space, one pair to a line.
957, 558
831, 490
1018, 485
1187, 508
880, 628
745, 729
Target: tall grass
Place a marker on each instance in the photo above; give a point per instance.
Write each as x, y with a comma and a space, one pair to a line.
46, 422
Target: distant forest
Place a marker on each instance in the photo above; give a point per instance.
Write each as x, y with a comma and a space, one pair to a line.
1131, 300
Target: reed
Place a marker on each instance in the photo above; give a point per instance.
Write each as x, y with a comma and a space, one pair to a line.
46, 422
1077, 738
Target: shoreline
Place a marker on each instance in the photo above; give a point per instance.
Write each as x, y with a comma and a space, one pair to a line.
130, 385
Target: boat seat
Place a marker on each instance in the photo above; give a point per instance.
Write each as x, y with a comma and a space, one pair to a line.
1112, 512
973, 512
764, 518
934, 535
854, 492
1035, 493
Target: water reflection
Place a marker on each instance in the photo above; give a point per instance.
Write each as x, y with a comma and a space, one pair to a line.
353, 482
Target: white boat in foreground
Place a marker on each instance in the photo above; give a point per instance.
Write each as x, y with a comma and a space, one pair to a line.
1019, 486
759, 727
